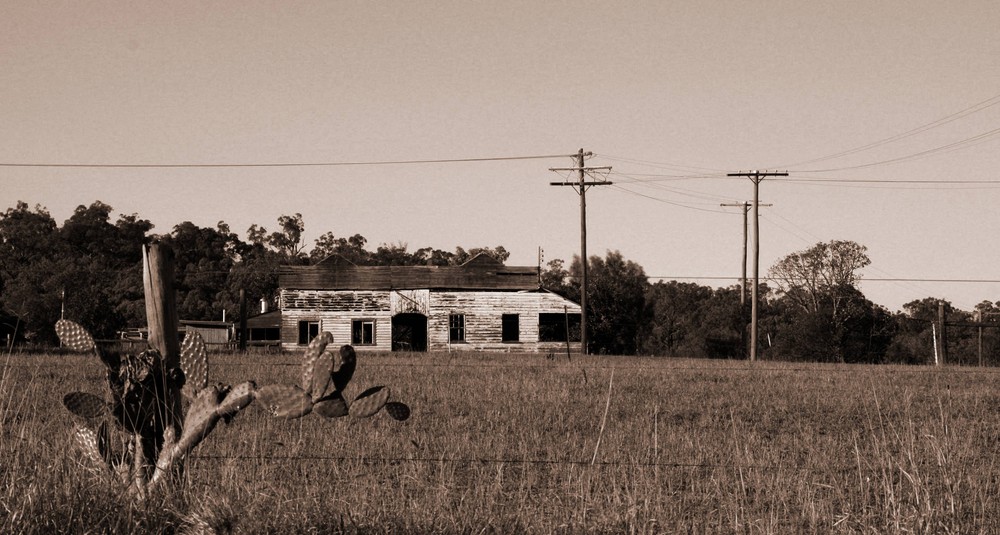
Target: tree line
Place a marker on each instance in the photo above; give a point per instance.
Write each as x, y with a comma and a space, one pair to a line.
90, 269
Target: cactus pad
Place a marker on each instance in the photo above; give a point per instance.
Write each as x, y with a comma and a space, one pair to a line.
344, 368
194, 363
398, 411
314, 372
87, 440
285, 401
332, 406
84, 405
238, 398
75, 337
323, 385
369, 402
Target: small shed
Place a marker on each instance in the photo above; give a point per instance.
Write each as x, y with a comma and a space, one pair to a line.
215, 333
482, 305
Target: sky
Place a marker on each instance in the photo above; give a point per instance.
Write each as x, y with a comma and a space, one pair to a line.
672, 95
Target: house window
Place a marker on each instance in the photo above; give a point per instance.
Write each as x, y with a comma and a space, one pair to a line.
510, 330
554, 327
456, 328
307, 331
363, 332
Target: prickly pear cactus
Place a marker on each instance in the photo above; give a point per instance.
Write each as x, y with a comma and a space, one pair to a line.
135, 436
321, 390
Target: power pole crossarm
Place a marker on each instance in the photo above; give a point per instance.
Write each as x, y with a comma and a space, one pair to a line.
581, 186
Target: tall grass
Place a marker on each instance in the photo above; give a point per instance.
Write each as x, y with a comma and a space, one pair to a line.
506, 443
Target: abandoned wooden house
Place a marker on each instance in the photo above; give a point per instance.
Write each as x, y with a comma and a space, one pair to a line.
481, 305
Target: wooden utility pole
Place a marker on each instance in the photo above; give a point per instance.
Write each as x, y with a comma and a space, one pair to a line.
942, 342
581, 186
743, 275
743, 266
243, 321
755, 177
979, 322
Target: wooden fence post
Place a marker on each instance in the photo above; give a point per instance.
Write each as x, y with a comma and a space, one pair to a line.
161, 303
161, 319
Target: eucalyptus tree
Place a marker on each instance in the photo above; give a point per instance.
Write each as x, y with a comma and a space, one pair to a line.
824, 314
287, 241
351, 248
204, 259
616, 300
823, 273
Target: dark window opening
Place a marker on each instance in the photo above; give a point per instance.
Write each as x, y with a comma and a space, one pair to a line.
409, 332
363, 332
456, 328
510, 329
553, 327
263, 333
307, 331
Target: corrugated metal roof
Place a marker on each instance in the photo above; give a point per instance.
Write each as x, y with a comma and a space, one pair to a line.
480, 273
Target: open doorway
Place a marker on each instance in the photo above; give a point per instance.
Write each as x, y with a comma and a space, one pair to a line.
409, 332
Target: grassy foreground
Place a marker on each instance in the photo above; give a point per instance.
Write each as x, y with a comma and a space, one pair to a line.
525, 444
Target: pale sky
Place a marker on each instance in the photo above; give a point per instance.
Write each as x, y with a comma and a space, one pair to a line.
688, 89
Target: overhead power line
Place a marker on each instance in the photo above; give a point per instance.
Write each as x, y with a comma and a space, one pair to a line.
973, 140
666, 201
712, 197
980, 106
280, 164
661, 165
655, 178
644, 178
887, 181
969, 141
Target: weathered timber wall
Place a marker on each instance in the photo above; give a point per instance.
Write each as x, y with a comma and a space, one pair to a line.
335, 310
409, 301
483, 311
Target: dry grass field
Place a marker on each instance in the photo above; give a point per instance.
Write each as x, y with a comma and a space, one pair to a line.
506, 444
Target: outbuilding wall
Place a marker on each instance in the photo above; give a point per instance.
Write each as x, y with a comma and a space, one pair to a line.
483, 311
